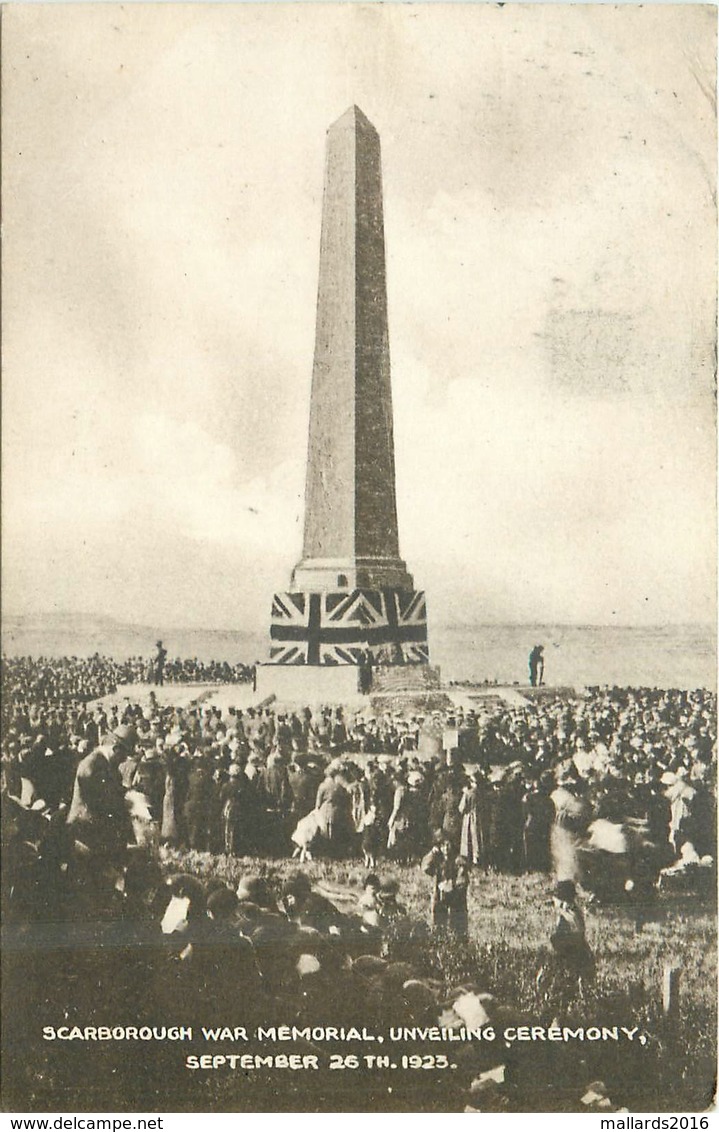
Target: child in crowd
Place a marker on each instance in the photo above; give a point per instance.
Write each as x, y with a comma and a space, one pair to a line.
573, 954
371, 838
369, 900
448, 906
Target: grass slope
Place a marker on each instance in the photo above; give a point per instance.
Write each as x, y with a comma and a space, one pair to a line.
511, 918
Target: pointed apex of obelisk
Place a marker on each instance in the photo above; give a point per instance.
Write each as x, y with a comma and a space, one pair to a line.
352, 118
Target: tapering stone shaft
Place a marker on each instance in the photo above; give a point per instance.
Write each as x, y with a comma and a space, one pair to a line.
350, 535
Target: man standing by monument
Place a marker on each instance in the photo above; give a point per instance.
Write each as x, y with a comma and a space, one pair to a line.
158, 664
536, 666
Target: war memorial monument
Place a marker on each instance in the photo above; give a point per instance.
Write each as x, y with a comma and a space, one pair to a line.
352, 620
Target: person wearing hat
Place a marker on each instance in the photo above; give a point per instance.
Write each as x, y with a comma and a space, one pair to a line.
172, 829
278, 794
474, 837
184, 906
378, 792
381, 911
128, 767
408, 822
198, 801
536, 666
256, 890
334, 809
97, 816
122, 741
158, 666
229, 968
538, 816
389, 908
50, 768
308, 908
571, 817
304, 777
371, 836
573, 955
451, 815
233, 795
254, 807
448, 907
149, 779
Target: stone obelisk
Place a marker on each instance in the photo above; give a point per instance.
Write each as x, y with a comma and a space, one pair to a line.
352, 607
350, 504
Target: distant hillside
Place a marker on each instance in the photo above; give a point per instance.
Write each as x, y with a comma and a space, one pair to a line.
82, 634
672, 656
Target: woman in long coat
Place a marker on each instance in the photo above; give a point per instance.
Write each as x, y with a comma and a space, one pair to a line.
233, 796
199, 802
408, 822
470, 842
538, 818
172, 830
401, 820
334, 809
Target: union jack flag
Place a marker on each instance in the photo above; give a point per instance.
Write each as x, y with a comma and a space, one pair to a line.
384, 626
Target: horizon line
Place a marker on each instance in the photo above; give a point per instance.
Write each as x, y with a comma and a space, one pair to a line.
492, 624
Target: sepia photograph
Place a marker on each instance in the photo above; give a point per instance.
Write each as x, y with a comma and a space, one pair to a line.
359, 649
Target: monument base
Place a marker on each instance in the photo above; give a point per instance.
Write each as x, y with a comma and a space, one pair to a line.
306, 684
391, 684
407, 689
395, 679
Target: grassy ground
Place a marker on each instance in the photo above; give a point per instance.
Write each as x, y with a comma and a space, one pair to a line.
516, 912
511, 918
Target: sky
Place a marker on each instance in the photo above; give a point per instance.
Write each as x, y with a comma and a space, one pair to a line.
549, 190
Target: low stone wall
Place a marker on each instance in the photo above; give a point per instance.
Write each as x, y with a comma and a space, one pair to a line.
392, 678
308, 683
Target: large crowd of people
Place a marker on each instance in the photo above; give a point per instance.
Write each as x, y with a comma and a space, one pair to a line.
91, 792
68, 679
510, 788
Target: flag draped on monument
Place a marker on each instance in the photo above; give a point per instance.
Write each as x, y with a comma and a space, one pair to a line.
352, 599
334, 628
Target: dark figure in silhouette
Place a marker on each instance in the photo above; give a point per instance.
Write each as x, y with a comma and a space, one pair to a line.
536, 666
159, 664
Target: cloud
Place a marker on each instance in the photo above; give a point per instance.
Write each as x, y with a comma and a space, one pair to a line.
571, 508
190, 479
